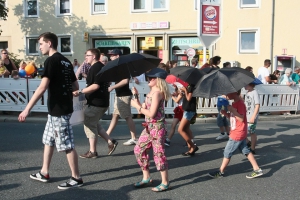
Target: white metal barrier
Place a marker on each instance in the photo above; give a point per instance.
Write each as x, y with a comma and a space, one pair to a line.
15, 94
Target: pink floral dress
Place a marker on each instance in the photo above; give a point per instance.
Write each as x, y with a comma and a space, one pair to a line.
153, 136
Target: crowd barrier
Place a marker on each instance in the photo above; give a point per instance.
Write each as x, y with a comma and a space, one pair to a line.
15, 94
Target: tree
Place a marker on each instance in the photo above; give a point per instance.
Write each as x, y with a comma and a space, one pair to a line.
3, 10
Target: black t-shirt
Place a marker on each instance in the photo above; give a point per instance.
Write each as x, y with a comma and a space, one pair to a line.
9, 66
189, 105
123, 91
100, 97
59, 70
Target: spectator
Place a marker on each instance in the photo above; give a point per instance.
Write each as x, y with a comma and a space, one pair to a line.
174, 63
295, 76
75, 65
286, 79
3, 70
226, 65
264, 74
104, 59
194, 62
275, 76
9, 64
186, 63
216, 61
249, 68
164, 67
169, 64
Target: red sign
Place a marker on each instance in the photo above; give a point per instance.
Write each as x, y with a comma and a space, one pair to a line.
190, 52
210, 20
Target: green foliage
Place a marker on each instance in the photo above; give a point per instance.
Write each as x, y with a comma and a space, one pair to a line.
3, 10
14, 57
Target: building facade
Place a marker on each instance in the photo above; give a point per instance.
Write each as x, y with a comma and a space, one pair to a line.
252, 30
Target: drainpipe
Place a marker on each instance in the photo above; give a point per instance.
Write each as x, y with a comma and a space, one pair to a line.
272, 34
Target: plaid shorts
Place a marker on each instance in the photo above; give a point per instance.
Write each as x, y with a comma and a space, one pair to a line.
59, 132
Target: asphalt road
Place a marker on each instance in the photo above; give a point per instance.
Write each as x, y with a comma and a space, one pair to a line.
112, 177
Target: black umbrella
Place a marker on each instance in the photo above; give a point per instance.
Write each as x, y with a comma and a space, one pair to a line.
190, 75
222, 81
207, 70
128, 66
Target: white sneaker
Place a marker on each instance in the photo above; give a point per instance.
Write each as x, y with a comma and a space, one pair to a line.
130, 142
222, 137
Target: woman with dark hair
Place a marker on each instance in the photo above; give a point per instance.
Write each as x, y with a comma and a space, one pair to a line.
249, 68
226, 65
274, 76
10, 65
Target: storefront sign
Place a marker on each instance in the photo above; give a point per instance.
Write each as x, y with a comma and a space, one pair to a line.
85, 36
112, 43
149, 25
150, 41
211, 19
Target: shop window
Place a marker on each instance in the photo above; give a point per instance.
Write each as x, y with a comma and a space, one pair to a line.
65, 45
31, 8
99, 6
3, 45
159, 5
249, 41
32, 46
63, 7
249, 3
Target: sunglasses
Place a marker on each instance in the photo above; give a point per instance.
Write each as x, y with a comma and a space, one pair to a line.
4, 53
150, 78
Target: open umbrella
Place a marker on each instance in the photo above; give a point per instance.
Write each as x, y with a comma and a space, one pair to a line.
256, 81
222, 81
171, 79
128, 66
190, 75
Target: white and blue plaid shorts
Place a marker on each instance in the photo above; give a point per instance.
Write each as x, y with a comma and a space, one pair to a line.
59, 132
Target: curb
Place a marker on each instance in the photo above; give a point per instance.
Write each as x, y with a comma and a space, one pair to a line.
43, 119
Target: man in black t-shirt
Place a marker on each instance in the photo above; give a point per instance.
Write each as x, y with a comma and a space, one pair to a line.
60, 80
97, 96
122, 104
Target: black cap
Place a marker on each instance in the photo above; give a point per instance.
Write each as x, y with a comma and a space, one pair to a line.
158, 73
115, 52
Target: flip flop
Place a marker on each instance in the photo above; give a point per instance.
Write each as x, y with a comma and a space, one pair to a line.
143, 183
164, 188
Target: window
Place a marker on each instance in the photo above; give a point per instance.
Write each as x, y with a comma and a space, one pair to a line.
249, 3
65, 45
32, 46
159, 5
31, 8
249, 41
3, 45
63, 7
149, 5
139, 4
99, 6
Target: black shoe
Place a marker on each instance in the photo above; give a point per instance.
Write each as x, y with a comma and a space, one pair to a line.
192, 153
72, 183
112, 147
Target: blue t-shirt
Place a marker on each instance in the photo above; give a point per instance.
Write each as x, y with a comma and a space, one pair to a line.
222, 101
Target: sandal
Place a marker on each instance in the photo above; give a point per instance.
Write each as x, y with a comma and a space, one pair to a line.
143, 183
161, 187
192, 153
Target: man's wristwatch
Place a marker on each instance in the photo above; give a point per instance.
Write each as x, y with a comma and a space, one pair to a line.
80, 92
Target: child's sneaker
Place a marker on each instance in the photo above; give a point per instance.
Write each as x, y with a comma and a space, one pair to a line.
216, 174
255, 174
71, 184
40, 177
167, 142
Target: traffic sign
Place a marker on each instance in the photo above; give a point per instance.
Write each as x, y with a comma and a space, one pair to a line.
190, 52
209, 21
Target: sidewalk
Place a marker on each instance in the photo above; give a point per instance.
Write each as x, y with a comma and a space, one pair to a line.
37, 117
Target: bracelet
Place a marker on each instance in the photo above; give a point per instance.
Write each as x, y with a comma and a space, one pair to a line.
140, 109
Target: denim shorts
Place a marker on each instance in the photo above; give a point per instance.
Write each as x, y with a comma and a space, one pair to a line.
251, 128
188, 115
233, 145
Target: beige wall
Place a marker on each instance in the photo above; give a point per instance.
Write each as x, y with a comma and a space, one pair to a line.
182, 20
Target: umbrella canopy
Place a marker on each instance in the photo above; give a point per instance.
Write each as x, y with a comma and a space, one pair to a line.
171, 79
207, 70
256, 81
190, 75
128, 66
222, 81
